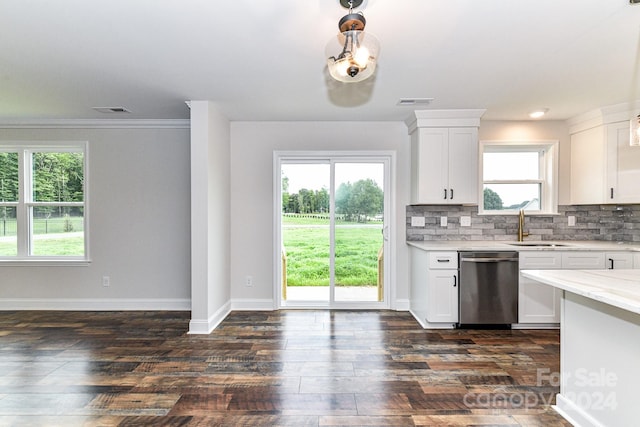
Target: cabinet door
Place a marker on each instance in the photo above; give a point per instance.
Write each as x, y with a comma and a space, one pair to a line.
429, 169
623, 165
588, 168
538, 303
463, 166
442, 296
617, 260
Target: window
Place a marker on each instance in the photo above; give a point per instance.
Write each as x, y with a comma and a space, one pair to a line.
518, 175
43, 202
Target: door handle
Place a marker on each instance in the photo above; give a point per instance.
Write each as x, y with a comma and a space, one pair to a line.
455, 281
385, 233
445, 194
611, 264
451, 190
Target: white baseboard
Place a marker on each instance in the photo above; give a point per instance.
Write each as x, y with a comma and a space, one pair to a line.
427, 325
206, 326
86, 304
252, 305
574, 414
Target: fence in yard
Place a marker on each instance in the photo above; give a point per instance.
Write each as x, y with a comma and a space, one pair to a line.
326, 216
44, 225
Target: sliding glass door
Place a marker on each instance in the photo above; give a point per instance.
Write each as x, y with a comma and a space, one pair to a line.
332, 232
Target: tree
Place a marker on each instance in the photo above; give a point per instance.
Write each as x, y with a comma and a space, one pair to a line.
492, 200
8, 177
360, 200
343, 194
322, 200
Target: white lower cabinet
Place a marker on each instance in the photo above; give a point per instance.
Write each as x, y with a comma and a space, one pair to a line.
579, 260
442, 287
434, 288
538, 303
618, 260
442, 296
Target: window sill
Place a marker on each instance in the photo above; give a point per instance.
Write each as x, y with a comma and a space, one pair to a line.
44, 262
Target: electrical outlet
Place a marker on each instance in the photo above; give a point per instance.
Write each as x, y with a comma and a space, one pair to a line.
106, 281
571, 221
465, 221
417, 221
443, 221
248, 281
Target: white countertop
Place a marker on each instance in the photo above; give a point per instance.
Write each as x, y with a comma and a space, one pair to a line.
494, 245
618, 288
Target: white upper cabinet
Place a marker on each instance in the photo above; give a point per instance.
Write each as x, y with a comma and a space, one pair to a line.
623, 165
444, 157
604, 168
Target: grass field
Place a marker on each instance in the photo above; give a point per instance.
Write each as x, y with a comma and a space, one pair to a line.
49, 238
307, 250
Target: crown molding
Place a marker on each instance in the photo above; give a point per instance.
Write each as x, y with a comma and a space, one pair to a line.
444, 118
602, 116
95, 124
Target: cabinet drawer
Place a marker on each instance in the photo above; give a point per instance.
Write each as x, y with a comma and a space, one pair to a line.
618, 260
439, 260
540, 260
583, 260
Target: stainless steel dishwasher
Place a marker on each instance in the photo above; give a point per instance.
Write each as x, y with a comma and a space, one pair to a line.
488, 291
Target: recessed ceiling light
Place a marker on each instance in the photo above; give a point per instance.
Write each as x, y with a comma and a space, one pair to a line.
111, 110
536, 114
415, 101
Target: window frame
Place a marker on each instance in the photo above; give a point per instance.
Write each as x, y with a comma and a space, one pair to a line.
548, 172
26, 203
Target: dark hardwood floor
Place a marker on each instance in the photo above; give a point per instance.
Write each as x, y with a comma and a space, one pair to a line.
287, 368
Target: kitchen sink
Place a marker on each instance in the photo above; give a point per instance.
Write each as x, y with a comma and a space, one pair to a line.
538, 244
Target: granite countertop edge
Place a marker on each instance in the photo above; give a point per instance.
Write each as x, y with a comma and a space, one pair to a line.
617, 288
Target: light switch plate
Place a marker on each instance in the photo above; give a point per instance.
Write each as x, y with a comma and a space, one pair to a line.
571, 221
443, 221
417, 221
465, 221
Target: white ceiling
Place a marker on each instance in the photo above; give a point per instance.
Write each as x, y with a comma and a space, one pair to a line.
264, 59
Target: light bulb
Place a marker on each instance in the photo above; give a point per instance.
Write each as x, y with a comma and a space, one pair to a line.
342, 66
362, 56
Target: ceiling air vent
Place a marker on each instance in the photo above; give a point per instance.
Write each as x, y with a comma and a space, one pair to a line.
415, 101
111, 110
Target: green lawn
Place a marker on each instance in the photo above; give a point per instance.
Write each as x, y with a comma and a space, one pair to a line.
44, 242
307, 250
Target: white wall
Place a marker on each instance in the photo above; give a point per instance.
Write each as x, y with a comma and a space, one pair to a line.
139, 225
252, 193
536, 130
210, 222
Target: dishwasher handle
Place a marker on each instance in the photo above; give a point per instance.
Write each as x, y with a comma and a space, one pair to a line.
489, 259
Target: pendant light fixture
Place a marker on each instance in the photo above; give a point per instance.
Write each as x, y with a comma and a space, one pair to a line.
634, 134
352, 54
